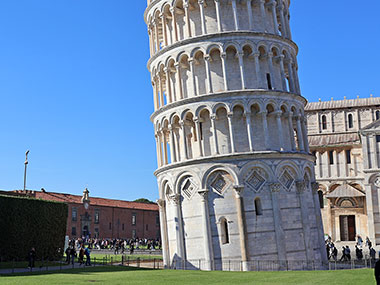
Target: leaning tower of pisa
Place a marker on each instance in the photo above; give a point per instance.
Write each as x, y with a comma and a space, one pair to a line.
235, 176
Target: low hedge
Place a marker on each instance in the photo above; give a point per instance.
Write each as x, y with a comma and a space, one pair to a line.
27, 223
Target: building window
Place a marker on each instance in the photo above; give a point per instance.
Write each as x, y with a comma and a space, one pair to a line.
258, 207
350, 121
377, 138
324, 122
133, 233
377, 115
146, 227
110, 226
96, 220
122, 227
315, 156
96, 232
331, 157
74, 214
74, 231
224, 230
320, 196
269, 81
157, 219
348, 156
134, 219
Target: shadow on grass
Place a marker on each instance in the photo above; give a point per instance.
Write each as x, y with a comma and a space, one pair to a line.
85, 270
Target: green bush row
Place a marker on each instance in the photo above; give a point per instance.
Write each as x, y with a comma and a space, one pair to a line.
27, 223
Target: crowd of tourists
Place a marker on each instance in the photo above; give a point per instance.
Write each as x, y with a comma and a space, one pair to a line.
332, 251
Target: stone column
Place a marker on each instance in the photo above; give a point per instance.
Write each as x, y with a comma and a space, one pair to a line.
365, 151
258, 71
203, 21
241, 65
158, 146
161, 90
336, 161
265, 128
216, 148
219, 22
207, 235
249, 130
318, 217
345, 166
208, 73
164, 233
230, 127
291, 131
236, 17
151, 49
172, 10
283, 76
184, 141
282, 20
176, 198
164, 32
224, 69
263, 15
274, 14
187, 17
199, 135
155, 95
303, 201
250, 15
320, 166
157, 35
242, 225
270, 64
375, 159
288, 32
296, 80
172, 145
168, 87
369, 206
280, 133
300, 134
165, 147
275, 189
179, 83
191, 63
304, 134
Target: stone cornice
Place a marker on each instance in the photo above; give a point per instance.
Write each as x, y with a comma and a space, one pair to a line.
221, 35
236, 158
223, 95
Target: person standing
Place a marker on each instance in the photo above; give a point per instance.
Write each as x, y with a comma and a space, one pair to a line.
88, 258
73, 254
377, 272
32, 257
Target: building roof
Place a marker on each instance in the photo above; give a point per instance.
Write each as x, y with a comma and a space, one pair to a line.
94, 201
333, 139
343, 104
345, 191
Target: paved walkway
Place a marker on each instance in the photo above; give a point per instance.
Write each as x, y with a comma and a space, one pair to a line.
42, 269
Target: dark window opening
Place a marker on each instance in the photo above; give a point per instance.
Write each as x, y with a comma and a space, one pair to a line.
320, 196
324, 122
74, 231
96, 220
258, 207
133, 219
74, 214
350, 121
331, 157
377, 115
225, 234
315, 156
348, 156
157, 219
201, 130
146, 227
377, 138
269, 81
110, 226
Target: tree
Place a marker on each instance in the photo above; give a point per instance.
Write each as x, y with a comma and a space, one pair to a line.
144, 200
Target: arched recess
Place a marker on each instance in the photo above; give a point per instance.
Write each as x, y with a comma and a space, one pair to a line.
222, 131
233, 75
255, 176
186, 76
227, 16
287, 173
224, 231
176, 129
200, 72
249, 68
287, 132
240, 134
169, 24
216, 70
218, 175
274, 142
276, 76
206, 132
210, 16
264, 68
180, 19
258, 207
191, 136
257, 126
195, 18
173, 80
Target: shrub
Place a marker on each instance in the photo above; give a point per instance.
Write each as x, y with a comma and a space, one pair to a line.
27, 223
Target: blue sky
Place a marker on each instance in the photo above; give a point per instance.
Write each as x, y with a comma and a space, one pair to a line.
74, 88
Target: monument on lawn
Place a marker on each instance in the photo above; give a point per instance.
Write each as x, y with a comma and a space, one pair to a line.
235, 176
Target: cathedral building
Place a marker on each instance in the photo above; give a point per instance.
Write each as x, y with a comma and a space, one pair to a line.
344, 136
235, 175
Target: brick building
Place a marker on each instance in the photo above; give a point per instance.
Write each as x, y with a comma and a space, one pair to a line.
104, 218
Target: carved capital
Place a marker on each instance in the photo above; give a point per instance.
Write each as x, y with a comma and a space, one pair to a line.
275, 187
239, 189
161, 203
176, 198
301, 186
203, 193
213, 117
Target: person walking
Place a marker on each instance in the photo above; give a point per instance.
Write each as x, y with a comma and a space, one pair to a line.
81, 255
344, 257
88, 258
359, 253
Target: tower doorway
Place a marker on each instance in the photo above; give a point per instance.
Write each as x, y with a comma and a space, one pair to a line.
347, 228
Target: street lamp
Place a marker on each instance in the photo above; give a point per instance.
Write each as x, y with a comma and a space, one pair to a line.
26, 164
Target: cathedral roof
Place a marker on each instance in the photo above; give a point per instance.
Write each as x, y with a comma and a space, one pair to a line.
334, 139
343, 104
345, 191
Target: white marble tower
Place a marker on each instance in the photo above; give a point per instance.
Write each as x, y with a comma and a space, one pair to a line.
235, 176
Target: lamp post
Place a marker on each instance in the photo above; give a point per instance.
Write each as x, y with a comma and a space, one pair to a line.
26, 164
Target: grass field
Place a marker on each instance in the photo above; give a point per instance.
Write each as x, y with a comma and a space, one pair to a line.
123, 275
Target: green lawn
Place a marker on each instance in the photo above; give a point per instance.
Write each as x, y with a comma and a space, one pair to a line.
123, 275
